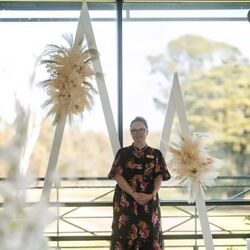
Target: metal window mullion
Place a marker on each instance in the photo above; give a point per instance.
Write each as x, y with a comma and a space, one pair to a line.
120, 70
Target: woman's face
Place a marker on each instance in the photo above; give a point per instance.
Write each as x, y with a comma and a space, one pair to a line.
138, 132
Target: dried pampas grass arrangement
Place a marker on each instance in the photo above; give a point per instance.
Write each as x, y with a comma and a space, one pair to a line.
69, 87
190, 164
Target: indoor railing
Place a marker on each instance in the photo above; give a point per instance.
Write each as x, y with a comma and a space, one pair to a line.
83, 208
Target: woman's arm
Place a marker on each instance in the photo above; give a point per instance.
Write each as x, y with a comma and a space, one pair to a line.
123, 184
141, 198
145, 198
157, 185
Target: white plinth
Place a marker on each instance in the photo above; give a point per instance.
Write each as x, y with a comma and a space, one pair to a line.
248, 244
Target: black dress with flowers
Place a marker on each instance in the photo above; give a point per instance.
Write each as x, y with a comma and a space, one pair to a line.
136, 226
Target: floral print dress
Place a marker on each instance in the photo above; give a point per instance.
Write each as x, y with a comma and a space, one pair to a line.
136, 226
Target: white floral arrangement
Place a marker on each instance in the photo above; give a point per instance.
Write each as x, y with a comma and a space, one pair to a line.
190, 164
22, 226
69, 86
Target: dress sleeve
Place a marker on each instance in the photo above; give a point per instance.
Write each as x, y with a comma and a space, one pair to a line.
161, 167
117, 166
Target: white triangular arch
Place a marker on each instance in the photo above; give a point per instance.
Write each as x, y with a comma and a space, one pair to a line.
176, 104
84, 28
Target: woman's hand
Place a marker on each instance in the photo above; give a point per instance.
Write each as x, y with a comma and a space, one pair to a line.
142, 198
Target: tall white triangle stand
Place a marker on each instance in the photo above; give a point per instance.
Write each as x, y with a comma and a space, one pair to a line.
84, 28
176, 104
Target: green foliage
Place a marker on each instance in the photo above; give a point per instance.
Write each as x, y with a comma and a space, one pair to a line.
81, 154
221, 103
215, 80
247, 218
191, 54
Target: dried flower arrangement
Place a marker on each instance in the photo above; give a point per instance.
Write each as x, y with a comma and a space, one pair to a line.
69, 86
191, 164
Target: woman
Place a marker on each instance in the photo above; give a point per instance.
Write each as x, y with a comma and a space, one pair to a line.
138, 171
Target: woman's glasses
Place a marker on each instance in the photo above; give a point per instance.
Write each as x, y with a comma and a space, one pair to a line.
139, 131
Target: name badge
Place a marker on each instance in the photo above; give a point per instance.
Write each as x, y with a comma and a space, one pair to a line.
150, 156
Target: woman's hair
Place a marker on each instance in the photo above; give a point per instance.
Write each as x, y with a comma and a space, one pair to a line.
140, 119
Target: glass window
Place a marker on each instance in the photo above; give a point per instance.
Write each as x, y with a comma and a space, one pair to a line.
212, 60
86, 149
208, 48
